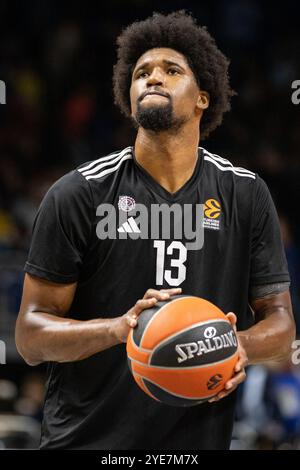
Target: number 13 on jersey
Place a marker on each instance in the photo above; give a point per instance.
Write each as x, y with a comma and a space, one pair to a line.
175, 262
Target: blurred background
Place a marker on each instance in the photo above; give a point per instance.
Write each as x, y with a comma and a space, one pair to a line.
56, 59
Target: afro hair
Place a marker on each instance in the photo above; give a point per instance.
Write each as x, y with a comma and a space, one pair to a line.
178, 31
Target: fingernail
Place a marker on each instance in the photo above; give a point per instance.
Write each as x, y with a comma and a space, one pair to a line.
228, 385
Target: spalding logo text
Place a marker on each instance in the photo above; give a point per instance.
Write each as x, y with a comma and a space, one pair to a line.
189, 350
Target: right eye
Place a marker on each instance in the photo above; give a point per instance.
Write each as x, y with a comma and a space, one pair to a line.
142, 74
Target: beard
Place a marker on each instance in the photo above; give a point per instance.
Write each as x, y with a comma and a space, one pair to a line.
157, 118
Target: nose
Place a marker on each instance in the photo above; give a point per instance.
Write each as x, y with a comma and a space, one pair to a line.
155, 78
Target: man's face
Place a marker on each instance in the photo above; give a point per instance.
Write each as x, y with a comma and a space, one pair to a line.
164, 93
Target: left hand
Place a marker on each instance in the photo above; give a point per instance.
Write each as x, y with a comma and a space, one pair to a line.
239, 369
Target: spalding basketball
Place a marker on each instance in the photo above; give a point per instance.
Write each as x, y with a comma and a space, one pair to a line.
183, 351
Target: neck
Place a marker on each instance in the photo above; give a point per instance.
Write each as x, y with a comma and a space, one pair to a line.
169, 158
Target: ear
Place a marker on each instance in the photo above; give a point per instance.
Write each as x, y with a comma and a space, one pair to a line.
203, 100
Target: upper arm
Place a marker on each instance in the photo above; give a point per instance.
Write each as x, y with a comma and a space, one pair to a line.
275, 303
59, 243
42, 301
269, 277
40, 295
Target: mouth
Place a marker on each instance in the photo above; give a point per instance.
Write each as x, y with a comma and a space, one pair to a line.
154, 93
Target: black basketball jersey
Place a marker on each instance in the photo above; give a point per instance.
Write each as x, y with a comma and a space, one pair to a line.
105, 225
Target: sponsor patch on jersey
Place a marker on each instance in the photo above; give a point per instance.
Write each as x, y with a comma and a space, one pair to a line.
212, 212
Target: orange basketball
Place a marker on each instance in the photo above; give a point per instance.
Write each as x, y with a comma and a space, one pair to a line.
182, 351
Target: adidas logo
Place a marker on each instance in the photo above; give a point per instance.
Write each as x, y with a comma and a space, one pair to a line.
129, 227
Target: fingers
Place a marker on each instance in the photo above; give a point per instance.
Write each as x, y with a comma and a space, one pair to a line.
173, 291
238, 367
132, 322
242, 361
239, 371
232, 318
136, 310
230, 386
222, 394
219, 396
235, 380
151, 297
142, 304
163, 294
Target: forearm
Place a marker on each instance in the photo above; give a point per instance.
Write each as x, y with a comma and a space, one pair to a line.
46, 337
270, 339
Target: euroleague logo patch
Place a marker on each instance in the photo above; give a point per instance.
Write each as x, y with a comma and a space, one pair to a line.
212, 209
212, 212
214, 381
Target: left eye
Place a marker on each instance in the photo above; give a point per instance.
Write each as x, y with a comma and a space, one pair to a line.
173, 71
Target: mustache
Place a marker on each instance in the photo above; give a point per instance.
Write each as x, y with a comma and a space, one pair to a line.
153, 91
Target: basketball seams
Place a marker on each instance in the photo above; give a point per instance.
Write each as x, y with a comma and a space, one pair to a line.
144, 386
154, 316
170, 304
160, 310
161, 333
136, 346
172, 393
201, 366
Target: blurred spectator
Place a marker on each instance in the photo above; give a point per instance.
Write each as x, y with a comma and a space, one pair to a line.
31, 396
269, 408
20, 416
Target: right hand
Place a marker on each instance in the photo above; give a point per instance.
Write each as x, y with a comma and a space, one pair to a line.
129, 320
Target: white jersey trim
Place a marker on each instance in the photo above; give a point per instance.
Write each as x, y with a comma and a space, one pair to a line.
225, 165
103, 159
102, 166
96, 169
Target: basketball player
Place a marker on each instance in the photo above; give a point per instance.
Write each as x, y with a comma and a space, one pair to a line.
92, 270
